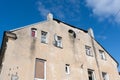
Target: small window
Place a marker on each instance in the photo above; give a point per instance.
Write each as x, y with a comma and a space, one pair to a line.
40, 69
105, 76
91, 75
43, 37
33, 32
102, 54
14, 77
58, 41
67, 68
88, 51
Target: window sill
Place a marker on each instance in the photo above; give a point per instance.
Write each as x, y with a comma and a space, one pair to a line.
59, 47
90, 55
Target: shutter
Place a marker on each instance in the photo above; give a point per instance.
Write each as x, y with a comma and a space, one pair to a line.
39, 69
56, 40
56, 37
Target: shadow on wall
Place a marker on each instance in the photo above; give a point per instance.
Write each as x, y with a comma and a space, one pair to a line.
32, 48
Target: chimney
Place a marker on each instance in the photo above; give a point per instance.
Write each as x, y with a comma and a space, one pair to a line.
49, 16
90, 32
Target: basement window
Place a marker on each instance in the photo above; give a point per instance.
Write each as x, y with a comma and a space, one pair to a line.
91, 75
102, 55
33, 32
105, 76
58, 41
14, 77
88, 50
43, 37
67, 68
40, 69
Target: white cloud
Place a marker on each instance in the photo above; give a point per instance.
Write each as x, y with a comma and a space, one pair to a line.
102, 37
42, 9
105, 8
60, 8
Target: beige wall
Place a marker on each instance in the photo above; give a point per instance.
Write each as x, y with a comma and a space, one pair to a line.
21, 53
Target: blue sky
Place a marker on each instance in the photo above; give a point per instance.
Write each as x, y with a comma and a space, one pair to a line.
103, 16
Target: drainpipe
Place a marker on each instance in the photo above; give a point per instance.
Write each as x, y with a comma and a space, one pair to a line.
90, 32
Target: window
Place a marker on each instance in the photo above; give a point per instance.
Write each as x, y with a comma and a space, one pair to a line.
40, 69
33, 32
58, 41
67, 68
102, 54
43, 37
105, 76
14, 77
88, 50
91, 75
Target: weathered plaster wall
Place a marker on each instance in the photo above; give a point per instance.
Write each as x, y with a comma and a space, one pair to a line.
21, 54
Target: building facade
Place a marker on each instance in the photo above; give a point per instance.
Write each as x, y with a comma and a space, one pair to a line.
54, 50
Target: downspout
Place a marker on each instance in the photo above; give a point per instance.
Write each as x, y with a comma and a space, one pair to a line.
90, 32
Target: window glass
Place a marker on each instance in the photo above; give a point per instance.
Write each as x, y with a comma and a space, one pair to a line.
33, 32
43, 37
88, 50
91, 75
58, 41
67, 68
105, 76
102, 54
14, 77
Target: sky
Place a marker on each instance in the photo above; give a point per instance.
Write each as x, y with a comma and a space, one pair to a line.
103, 16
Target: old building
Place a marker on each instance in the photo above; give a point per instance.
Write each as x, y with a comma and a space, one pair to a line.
54, 50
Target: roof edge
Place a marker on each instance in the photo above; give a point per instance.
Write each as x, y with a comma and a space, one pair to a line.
16, 29
108, 53
69, 25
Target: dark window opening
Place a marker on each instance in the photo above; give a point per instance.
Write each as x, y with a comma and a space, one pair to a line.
72, 33
33, 32
91, 75
67, 68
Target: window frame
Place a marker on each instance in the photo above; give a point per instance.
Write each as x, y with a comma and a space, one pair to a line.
102, 54
93, 74
105, 75
44, 38
34, 32
88, 51
14, 77
58, 41
67, 68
